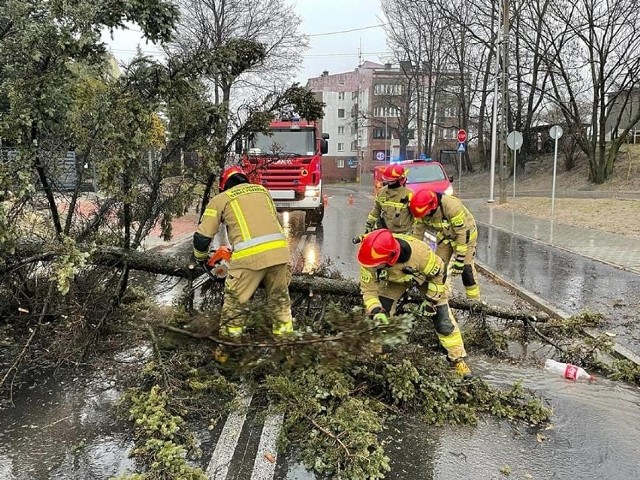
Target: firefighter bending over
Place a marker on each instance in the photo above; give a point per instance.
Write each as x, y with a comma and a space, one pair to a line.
389, 264
391, 207
456, 234
260, 250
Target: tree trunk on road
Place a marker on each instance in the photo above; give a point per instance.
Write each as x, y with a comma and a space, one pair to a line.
163, 264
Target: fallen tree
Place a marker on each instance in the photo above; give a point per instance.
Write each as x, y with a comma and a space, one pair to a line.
177, 266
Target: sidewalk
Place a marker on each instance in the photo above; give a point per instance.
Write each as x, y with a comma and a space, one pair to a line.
617, 250
182, 229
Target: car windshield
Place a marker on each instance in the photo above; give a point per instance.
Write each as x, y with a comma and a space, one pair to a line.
425, 173
283, 142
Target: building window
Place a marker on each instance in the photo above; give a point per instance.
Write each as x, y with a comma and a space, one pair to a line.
340, 95
341, 113
411, 134
388, 89
340, 162
354, 146
451, 112
341, 147
379, 132
340, 130
386, 112
450, 133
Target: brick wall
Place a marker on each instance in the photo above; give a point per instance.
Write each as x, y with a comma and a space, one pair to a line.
331, 172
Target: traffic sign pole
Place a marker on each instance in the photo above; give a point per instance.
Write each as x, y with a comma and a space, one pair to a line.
462, 138
555, 132
514, 142
459, 172
515, 156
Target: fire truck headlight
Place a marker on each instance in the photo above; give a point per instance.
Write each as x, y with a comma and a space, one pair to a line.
311, 191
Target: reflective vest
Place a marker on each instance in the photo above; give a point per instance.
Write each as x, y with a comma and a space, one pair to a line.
428, 266
452, 222
253, 228
392, 208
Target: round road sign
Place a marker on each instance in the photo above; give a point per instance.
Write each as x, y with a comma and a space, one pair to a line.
555, 132
380, 156
462, 136
514, 140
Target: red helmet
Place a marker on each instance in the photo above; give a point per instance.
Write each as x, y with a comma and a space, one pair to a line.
423, 202
228, 173
394, 173
379, 248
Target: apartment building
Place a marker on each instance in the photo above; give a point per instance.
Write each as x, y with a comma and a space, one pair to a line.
373, 118
346, 96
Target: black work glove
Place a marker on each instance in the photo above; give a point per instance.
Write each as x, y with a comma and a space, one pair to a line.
369, 227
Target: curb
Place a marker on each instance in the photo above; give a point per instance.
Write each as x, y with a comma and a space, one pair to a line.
551, 310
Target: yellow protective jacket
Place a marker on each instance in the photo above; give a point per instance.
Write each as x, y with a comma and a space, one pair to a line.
452, 222
423, 260
392, 207
253, 228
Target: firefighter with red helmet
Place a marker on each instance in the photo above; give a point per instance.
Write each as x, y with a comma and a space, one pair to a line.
456, 234
260, 250
391, 207
389, 265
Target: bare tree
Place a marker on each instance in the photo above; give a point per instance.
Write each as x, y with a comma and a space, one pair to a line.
528, 72
593, 54
242, 80
415, 33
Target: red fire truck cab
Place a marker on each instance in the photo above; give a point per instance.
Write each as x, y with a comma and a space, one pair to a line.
287, 160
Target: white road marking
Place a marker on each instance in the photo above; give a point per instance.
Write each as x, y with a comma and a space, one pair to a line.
226, 446
264, 467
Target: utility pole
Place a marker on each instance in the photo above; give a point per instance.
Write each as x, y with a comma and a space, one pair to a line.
505, 103
358, 136
386, 136
494, 113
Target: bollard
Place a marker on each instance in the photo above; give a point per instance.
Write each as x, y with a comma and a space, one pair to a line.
350, 199
325, 200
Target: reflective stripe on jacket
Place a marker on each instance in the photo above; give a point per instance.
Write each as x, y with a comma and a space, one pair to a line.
423, 260
253, 228
452, 222
392, 208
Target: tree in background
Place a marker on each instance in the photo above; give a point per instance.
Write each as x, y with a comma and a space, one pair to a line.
255, 46
594, 60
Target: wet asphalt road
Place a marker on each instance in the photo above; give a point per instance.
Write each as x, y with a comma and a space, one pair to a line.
596, 431
569, 281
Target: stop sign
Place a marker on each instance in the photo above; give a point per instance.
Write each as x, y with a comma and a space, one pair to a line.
462, 136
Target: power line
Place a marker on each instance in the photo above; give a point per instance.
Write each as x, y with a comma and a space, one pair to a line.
347, 31
356, 54
133, 29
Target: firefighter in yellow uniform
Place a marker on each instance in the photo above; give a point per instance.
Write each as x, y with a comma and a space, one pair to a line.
260, 250
390, 263
456, 234
391, 207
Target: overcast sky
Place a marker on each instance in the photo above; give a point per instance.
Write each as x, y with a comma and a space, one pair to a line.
334, 52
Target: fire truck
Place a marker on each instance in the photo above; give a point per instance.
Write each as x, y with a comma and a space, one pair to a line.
287, 161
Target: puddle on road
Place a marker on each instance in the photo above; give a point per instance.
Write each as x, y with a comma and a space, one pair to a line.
595, 434
63, 429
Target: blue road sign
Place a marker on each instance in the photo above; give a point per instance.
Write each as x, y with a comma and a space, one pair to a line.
461, 147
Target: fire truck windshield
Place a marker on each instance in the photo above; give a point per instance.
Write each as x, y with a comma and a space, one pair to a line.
283, 142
